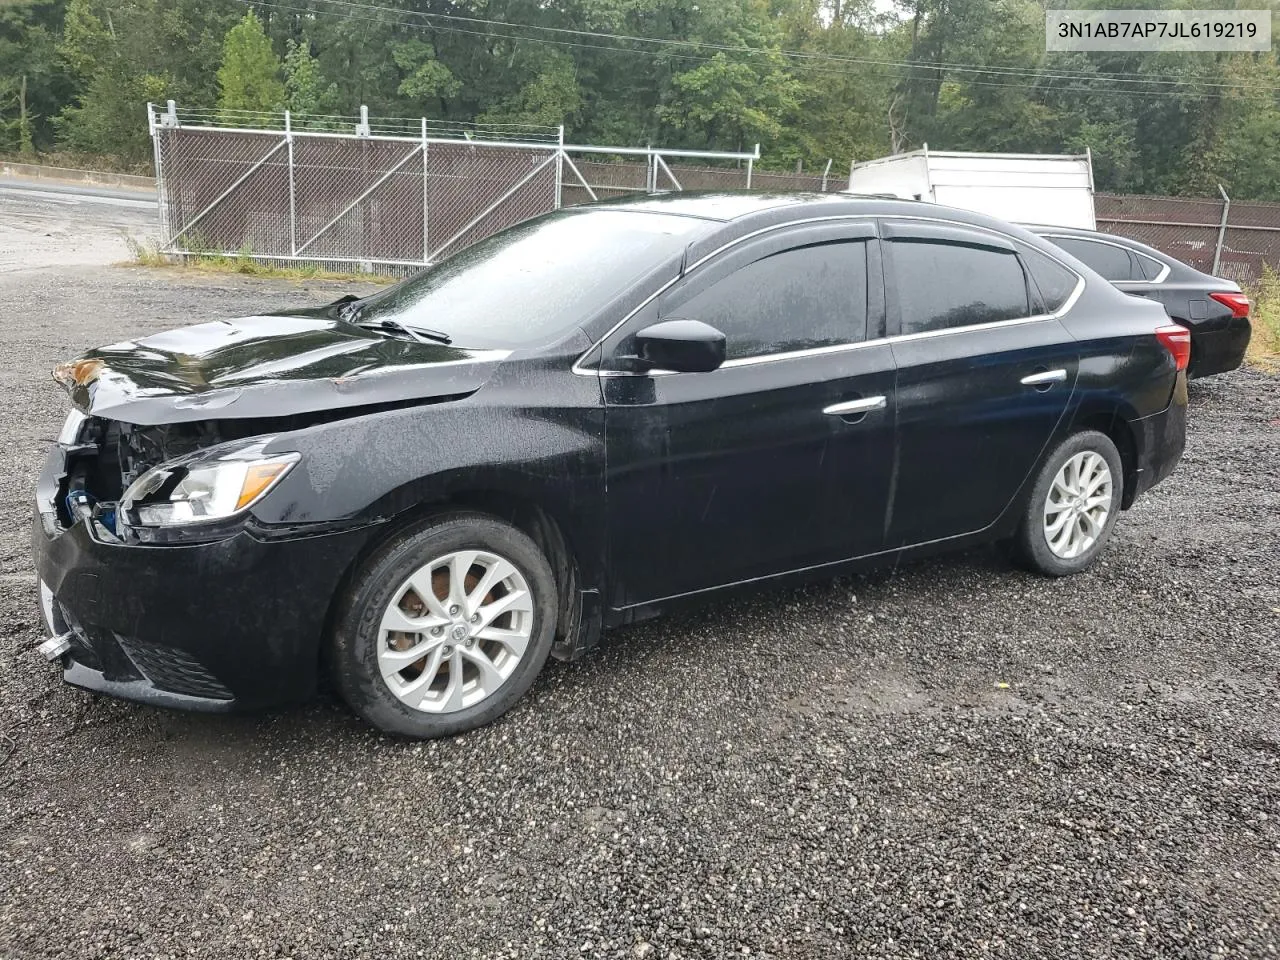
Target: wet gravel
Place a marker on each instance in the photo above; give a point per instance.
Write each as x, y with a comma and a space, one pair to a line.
950, 759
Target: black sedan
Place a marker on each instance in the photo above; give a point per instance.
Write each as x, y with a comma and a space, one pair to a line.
573, 425
1216, 311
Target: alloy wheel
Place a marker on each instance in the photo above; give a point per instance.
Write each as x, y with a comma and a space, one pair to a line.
1078, 504
455, 631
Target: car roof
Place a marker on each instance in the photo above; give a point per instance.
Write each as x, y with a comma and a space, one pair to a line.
741, 212
730, 205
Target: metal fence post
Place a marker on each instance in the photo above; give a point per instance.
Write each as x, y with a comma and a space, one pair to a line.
559, 166
426, 250
293, 201
825, 173
1222, 229
152, 129
750, 162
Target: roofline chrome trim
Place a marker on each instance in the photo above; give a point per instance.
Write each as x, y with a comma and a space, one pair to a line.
1165, 269
767, 358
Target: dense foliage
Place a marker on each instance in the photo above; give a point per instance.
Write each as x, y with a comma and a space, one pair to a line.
807, 79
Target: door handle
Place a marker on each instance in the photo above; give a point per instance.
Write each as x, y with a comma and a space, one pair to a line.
1044, 378
851, 408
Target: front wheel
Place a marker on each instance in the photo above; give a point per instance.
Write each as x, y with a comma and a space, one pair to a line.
445, 627
1073, 506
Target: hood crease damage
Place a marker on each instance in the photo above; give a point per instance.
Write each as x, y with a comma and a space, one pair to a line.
267, 367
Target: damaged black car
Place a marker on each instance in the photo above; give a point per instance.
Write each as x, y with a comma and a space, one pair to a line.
574, 424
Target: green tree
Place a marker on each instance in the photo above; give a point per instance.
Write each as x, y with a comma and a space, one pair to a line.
34, 82
305, 89
120, 54
249, 85
427, 81
551, 98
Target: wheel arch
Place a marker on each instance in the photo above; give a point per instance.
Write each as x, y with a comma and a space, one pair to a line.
519, 509
1111, 421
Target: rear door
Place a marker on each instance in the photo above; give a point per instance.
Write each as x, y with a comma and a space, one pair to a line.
985, 371
779, 460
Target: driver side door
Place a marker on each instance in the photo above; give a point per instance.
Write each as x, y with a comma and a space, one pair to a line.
780, 459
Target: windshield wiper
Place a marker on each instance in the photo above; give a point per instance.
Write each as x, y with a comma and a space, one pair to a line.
421, 334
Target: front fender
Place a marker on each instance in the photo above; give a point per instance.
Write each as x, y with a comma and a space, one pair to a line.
527, 435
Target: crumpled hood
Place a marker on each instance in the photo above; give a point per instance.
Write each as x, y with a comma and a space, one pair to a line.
266, 366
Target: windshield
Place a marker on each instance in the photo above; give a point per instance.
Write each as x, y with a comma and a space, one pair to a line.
526, 285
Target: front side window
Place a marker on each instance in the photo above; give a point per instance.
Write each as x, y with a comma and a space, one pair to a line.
1110, 261
799, 299
941, 285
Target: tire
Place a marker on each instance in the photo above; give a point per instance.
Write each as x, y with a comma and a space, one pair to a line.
366, 651
1061, 542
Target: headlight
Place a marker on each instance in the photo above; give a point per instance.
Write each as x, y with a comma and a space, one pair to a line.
211, 485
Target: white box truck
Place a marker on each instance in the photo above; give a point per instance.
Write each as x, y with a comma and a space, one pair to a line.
1051, 189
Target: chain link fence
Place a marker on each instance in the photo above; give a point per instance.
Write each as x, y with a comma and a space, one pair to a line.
384, 196
1231, 239
381, 195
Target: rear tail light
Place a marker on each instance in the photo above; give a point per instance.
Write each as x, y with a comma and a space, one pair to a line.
1177, 340
1237, 302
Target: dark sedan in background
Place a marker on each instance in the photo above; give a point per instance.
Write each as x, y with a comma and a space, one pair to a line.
1216, 311
575, 424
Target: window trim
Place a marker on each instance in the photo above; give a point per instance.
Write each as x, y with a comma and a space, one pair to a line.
1066, 307
1133, 255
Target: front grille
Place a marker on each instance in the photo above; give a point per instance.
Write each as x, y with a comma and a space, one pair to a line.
173, 670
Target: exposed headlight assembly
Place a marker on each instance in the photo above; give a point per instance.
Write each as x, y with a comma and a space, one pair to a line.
205, 487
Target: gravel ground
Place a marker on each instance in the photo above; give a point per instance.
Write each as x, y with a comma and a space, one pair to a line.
950, 759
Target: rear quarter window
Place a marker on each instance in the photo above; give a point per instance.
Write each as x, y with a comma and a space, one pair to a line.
1053, 281
1151, 267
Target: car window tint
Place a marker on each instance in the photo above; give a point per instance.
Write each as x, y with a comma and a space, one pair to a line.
1110, 261
798, 299
1151, 267
535, 281
1054, 281
943, 285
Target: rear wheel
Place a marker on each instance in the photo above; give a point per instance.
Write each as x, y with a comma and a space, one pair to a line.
1073, 506
445, 627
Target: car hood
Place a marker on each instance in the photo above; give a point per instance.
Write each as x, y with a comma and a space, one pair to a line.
266, 366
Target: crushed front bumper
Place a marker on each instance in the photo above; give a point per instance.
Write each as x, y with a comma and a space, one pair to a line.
232, 624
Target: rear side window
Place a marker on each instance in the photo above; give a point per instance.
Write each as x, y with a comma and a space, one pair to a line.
799, 299
942, 285
1054, 282
1110, 261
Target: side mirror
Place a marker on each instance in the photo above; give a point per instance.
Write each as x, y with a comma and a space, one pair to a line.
685, 346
